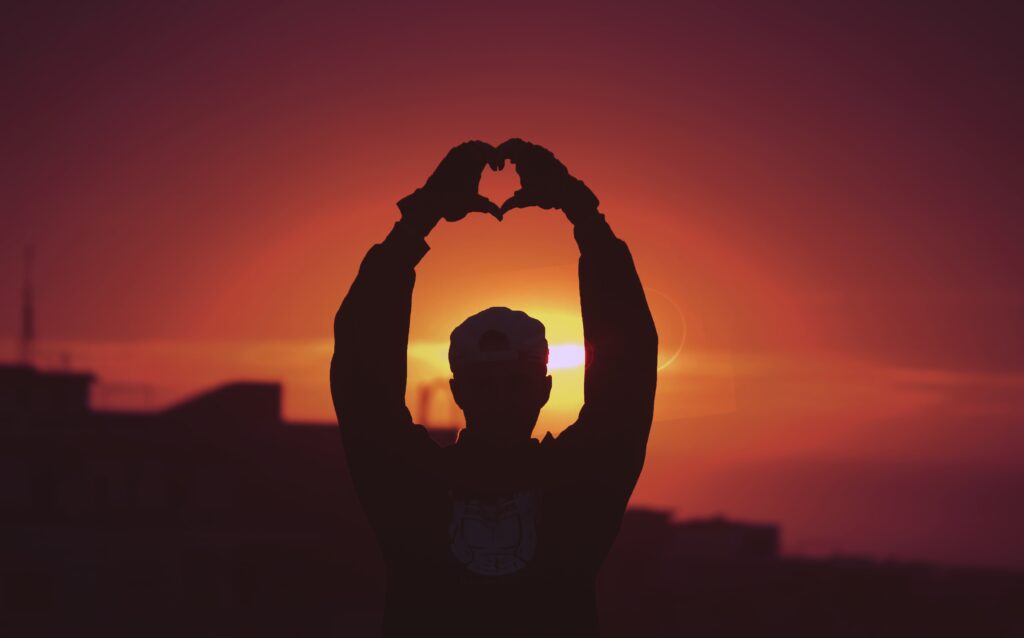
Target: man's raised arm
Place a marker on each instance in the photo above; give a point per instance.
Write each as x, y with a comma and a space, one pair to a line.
371, 328
620, 335
371, 335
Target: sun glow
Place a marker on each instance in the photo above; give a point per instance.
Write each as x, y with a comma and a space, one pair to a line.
566, 355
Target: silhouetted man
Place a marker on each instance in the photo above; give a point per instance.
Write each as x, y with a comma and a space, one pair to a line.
498, 534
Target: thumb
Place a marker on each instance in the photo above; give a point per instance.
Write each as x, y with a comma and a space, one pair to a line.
518, 200
481, 204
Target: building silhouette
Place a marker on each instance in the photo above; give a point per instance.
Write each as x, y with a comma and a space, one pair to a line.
215, 517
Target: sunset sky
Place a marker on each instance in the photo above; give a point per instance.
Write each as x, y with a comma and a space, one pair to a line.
824, 204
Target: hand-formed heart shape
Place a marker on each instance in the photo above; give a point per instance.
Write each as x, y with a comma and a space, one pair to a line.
453, 190
498, 186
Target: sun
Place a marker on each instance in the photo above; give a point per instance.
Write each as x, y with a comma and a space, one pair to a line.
566, 355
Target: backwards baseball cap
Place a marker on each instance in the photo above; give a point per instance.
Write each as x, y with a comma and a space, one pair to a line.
498, 334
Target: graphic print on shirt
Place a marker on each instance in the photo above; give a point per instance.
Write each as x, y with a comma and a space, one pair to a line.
494, 536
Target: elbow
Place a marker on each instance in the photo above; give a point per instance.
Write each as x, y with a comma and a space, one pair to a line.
344, 390
339, 322
339, 380
642, 352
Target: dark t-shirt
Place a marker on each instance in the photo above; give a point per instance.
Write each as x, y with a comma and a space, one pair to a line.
480, 540
474, 535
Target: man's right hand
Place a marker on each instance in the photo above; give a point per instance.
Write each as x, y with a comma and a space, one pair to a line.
545, 181
451, 192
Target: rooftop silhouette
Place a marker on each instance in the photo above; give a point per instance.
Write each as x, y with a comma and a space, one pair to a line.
217, 517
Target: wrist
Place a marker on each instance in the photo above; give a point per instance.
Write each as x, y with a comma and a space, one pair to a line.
585, 219
419, 212
405, 244
581, 203
580, 216
592, 232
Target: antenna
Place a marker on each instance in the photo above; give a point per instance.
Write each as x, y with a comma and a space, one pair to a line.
427, 391
28, 319
424, 407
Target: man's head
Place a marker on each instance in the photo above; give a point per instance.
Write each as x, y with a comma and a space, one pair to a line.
499, 361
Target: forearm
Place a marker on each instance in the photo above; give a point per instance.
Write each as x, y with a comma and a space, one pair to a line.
616, 315
621, 338
371, 331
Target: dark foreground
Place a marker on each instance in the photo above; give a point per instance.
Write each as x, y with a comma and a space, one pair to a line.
214, 518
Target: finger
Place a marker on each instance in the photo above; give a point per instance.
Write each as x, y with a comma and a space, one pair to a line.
519, 199
495, 161
478, 149
462, 164
474, 146
474, 151
481, 204
520, 147
513, 149
487, 155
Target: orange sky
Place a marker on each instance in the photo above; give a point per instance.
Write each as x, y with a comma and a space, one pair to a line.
823, 204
